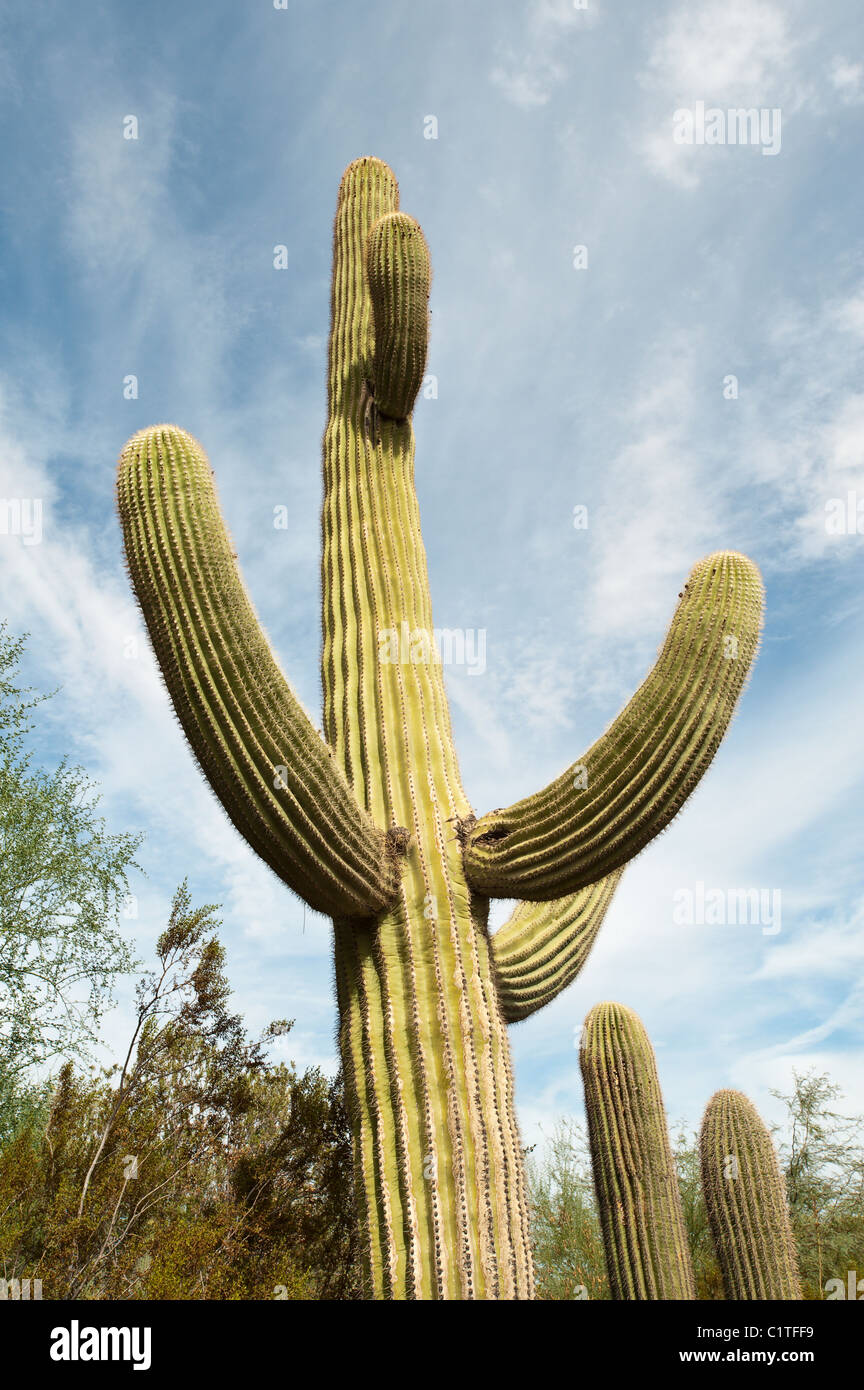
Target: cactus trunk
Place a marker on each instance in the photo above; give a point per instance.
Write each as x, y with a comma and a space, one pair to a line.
424, 1046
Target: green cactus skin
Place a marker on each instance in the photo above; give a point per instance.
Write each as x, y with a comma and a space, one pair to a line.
641, 1216
543, 946
748, 1214
371, 824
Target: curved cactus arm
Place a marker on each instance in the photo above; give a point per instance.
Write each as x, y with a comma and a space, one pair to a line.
632, 781
271, 770
644, 1236
746, 1201
541, 949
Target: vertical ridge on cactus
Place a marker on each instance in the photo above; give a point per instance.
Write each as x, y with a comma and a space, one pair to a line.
746, 1201
372, 824
644, 1237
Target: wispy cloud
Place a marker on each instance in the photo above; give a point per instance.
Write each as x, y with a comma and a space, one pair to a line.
530, 67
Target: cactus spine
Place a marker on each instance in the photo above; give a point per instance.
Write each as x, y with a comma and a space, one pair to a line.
746, 1200
635, 1178
372, 825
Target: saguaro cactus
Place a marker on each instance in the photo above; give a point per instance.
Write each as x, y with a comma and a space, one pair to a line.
636, 1181
746, 1201
371, 825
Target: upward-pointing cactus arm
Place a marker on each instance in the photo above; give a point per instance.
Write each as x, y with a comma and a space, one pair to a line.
543, 946
271, 770
633, 780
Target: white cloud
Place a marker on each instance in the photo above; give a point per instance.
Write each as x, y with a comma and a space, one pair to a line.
832, 950
725, 53
722, 49
848, 79
527, 72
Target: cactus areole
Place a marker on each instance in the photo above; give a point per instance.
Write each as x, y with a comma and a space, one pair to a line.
371, 825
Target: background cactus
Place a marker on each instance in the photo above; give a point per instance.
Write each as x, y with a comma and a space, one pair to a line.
635, 1178
746, 1200
372, 825
636, 1182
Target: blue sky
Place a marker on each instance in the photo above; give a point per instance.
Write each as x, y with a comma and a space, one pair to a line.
556, 387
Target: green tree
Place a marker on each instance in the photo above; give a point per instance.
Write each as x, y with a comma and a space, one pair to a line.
566, 1239
194, 1168
63, 880
823, 1156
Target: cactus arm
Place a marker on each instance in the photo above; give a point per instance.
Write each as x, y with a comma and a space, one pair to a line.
542, 947
398, 275
630, 784
272, 772
746, 1201
635, 1179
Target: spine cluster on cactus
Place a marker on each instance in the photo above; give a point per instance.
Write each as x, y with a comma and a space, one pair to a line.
371, 824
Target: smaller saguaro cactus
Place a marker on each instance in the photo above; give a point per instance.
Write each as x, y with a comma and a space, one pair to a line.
746, 1200
644, 1236
635, 1179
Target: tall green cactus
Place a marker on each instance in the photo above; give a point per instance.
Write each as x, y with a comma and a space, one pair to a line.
746, 1201
371, 824
636, 1181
